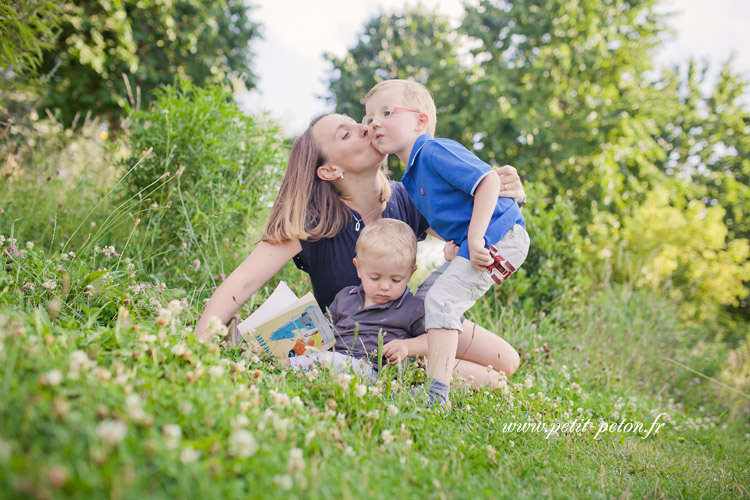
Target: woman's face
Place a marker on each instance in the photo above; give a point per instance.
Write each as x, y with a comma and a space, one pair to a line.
346, 144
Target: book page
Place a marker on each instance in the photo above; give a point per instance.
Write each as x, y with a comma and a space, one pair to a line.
281, 299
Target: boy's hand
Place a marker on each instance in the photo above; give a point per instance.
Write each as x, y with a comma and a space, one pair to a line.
450, 250
479, 256
395, 351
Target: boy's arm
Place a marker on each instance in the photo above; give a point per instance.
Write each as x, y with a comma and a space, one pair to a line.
485, 200
416, 346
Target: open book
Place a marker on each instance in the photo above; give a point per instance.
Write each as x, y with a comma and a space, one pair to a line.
286, 326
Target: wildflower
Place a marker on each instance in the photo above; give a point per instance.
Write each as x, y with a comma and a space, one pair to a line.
89, 291
216, 327
164, 317
50, 285
241, 421
280, 399
360, 390
79, 361
392, 410
375, 391
175, 307
343, 379
242, 444
296, 461
57, 475
189, 455
216, 371
111, 431
173, 433
51, 378
197, 264
134, 407
283, 481
30, 245
179, 349
387, 437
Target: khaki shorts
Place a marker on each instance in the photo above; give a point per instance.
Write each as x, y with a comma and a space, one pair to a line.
459, 285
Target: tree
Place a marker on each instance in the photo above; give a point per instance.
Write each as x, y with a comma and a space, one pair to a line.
152, 41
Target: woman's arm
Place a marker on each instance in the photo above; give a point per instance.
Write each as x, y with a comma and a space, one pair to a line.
254, 272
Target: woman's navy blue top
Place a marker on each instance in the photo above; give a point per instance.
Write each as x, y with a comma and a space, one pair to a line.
329, 261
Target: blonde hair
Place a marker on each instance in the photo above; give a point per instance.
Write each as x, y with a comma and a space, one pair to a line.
307, 207
388, 237
415, 95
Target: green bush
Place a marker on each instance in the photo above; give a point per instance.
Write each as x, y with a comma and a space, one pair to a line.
202, 171
554, 271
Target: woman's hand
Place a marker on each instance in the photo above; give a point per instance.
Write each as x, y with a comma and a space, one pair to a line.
510, 184
450, 250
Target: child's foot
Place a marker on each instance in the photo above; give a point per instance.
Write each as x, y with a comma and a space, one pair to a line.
501, 269
434, 393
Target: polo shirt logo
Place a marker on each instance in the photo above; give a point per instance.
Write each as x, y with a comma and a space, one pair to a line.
421, 191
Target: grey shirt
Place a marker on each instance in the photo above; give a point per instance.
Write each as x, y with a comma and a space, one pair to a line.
402, 318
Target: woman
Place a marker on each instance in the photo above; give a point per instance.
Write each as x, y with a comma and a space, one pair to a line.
334, 186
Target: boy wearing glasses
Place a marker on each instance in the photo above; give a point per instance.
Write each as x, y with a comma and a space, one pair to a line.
455, 193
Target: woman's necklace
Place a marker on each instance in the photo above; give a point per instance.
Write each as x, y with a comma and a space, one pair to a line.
357, 226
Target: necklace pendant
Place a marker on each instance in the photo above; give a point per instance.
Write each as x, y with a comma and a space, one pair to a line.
356, 226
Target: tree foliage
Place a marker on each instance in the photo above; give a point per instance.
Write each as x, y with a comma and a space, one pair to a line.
151, 41
567, 92
27, 27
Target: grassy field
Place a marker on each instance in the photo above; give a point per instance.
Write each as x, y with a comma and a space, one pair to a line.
135, 408
104, 393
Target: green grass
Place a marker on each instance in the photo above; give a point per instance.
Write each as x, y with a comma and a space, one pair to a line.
608, 366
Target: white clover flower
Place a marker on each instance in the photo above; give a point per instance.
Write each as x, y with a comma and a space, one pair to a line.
282, 425
173, 433
52, 378
189, 455
164, 317
216, 371
79, 361
392, 410
216, 327
242, 444
374, 390
241, 421
360, 390
179, 349
296, 460
309, 436
111, 431
283, 481
387, 436
30, 245
2, 239
50, 285
297, 401
343, 379
175, 307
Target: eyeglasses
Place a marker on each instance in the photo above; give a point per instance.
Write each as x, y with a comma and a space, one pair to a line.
384, 113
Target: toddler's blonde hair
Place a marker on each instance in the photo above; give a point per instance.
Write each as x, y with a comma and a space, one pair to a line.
415, 96
388, 237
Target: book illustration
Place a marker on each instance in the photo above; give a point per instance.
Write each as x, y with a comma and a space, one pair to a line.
286, 326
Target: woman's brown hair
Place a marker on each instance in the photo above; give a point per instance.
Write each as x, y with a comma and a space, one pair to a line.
308, 208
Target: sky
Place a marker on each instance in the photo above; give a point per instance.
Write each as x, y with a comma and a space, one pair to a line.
293, 74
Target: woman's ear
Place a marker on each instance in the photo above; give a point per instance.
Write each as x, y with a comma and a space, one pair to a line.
329, 173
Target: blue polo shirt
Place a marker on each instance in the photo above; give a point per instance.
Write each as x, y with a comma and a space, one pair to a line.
441, 178
328, 261
356, 327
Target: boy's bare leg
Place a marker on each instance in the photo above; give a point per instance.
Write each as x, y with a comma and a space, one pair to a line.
478, 345
441, 354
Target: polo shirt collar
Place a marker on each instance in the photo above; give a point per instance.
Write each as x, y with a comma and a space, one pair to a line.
417, 146
359, 290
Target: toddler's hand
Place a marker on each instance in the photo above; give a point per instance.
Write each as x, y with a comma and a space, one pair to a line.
478, 255
395, 351
450, 250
